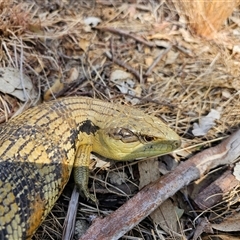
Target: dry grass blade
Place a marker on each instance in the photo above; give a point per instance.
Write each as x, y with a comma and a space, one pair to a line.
48, 39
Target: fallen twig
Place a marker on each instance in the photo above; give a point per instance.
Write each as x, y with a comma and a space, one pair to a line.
150, 197
126, 34
213, 193
124, 65
161, 55
70, 220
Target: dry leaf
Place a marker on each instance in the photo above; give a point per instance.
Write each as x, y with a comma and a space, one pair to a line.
99, 162
203, 226
235, 20
84, 44
236, 49
162, 44
117, 178
159, 36
187, 36
148, 171
171, 57
124, 82
148, 61
80, 228
167, 164
221, 237
92, 21
167, 217
205, 123
236, 171
226, 94
229, 224
17, 84
72, 75
55, 88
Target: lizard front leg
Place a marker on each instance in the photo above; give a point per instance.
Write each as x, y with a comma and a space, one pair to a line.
81, 169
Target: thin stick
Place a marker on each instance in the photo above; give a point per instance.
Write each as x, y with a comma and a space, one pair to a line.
161, 55
126, 34
124, 65
70, 220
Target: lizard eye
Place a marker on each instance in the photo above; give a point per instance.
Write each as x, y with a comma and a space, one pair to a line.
147, 138
123, 134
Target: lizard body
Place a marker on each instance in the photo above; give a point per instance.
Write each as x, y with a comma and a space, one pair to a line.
40, 147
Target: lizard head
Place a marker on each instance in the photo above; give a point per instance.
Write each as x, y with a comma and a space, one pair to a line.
132, 134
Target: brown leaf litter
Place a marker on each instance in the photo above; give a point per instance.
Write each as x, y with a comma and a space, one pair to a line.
57, 44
